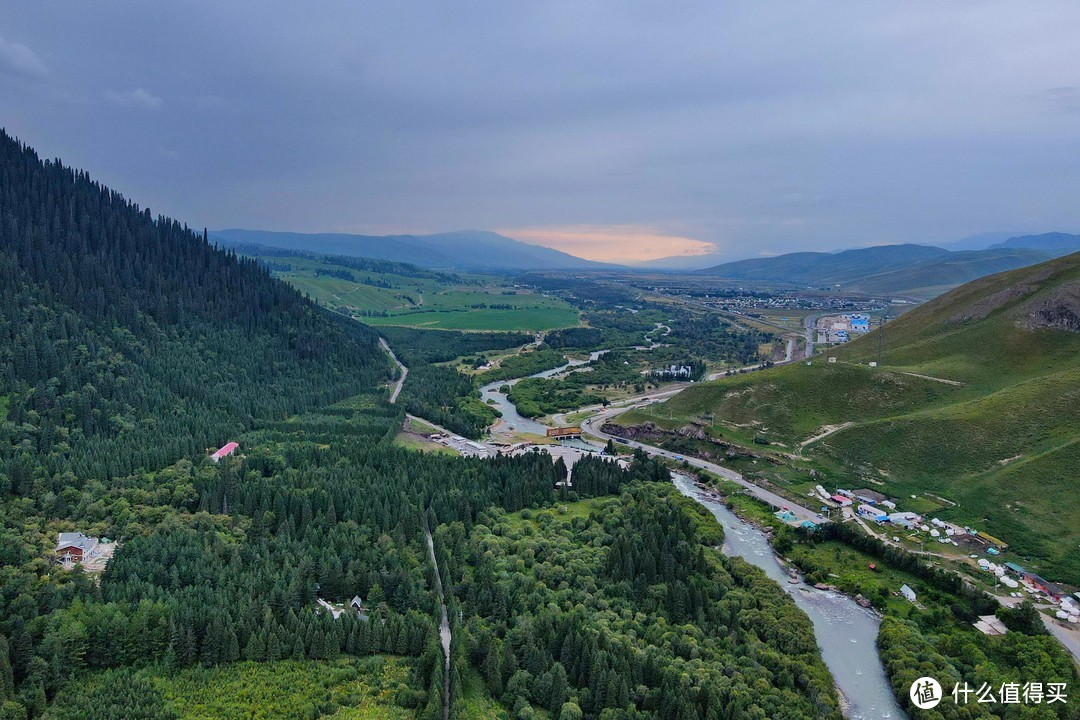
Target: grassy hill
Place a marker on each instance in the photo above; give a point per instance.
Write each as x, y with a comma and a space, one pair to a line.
992, 426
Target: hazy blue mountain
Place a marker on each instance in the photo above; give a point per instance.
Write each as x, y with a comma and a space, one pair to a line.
822, 268
682, 263
916, 270
931, 278
466, 249
1053, 242
979, 241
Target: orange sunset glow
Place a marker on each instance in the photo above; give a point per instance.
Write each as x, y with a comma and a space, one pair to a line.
611, 243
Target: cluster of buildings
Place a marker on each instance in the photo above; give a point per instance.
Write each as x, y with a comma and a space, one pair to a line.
1014, 576
841, 328
674, 372
464, 446
745, 300
877, 507
336, 610
870, 499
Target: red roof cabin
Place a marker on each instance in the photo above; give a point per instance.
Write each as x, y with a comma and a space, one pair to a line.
73, 548
227, 450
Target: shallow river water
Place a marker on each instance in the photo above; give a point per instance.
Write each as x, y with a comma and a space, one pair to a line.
491, 395
846, 633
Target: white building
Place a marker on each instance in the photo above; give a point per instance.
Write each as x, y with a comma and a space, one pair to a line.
74, 548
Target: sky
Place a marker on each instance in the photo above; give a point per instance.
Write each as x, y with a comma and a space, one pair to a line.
617, 131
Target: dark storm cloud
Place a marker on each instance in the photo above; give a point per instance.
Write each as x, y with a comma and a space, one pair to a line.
761, 127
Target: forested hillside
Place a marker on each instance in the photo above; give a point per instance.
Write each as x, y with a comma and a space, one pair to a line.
631, 612
130, 346
126, 341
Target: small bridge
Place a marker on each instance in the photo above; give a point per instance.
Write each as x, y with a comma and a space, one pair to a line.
561, 433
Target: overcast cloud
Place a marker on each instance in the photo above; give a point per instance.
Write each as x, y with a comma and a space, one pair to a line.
616, 129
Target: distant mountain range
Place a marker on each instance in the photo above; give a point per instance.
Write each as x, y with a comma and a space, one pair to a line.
822, 268
920, 271
682, 263
979, 241
466, 249
914, 270
1055, 242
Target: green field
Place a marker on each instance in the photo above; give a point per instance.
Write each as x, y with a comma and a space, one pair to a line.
397, 294
533, 319
1000, 442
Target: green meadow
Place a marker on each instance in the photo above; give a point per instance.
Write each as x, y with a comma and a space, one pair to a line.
397, 294
530, 319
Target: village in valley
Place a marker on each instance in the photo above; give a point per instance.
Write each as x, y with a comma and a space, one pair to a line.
880, 516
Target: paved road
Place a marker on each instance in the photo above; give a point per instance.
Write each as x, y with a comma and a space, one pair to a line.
444, 623
593, 424
1066, 636
404, 371
721, 373
809, 323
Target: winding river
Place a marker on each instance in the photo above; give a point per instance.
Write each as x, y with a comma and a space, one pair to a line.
846, 633
491, 395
